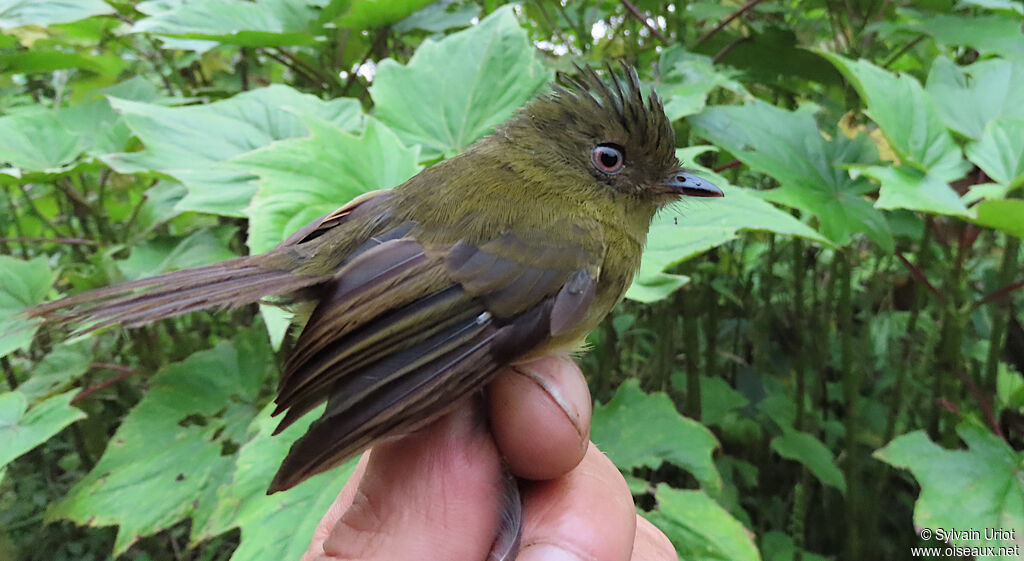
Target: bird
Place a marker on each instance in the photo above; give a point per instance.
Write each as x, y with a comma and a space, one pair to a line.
416, 296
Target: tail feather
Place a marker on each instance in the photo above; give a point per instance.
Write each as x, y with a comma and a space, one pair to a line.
227, 284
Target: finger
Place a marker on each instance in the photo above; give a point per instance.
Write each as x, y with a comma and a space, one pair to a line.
651, 544
420, 490
337, 508
540, 416
587, 514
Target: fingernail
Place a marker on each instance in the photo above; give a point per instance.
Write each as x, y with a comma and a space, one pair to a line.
546, 552
538, 374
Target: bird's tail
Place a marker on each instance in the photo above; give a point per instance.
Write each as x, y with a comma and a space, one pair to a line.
231, 283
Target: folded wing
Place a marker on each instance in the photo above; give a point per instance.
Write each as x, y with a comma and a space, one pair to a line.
405, 330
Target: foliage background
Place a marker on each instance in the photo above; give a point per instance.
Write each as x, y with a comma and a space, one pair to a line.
820, 365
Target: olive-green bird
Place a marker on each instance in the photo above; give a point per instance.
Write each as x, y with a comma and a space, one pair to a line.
512, 250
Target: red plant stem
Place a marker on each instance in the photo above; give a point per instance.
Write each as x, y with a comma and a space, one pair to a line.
721, 25
919, 275
948, 405
1001, 293
643, 19
125, 371
984, 403
730, 165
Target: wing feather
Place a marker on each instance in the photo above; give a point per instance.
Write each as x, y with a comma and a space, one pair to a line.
406, 330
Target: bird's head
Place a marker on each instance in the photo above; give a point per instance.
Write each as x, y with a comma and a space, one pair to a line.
605, 137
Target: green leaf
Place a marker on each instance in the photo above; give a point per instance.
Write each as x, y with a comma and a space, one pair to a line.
909, 188
277, 320
980, 487
907, 116
718, 399
167, 459
32, 62
440, 16
57, 371
1008, 5
680, 233
1009, 388
243, 501
363, 14
774, 56
777, 546
1006, 215
159, 207
815, 456
267, 23
456, 90
637, 429
137, 88
37, 141
304, 178
1000, 151
192, 144
651, 285
23, 284
699, 528
788, 146
21, 431
990, 34
16, 13
99, 127
169, 253
780, 409
969, 97
686, 79
691, 227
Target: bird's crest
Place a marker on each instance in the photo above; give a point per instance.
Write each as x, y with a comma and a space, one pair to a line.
584, 92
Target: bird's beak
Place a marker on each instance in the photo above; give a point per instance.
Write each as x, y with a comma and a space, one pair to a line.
685, 183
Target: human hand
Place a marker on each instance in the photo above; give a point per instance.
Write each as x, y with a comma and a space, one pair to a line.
436, 494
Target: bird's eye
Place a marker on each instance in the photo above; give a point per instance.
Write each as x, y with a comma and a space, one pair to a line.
608, 158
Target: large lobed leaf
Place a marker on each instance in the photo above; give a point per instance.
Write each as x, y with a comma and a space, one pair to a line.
17, 13
990, 33
910, 188
23, 284
40, 145
361, 14
693, 226
278, 526
1005, 214
22, 429
788, 146
37, 142
1000, 151
812, 453
910, 121
976, 488
969, 97
303, 178
167, 458
455, 90
267, 23
685, 79
193, 143
637, 429
57, 371
699, 528
169, 253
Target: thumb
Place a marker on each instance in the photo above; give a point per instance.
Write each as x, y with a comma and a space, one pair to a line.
418, 492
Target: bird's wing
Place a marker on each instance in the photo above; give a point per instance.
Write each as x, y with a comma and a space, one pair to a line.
408, 328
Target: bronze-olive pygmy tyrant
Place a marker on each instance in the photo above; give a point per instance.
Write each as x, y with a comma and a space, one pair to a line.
514, 249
